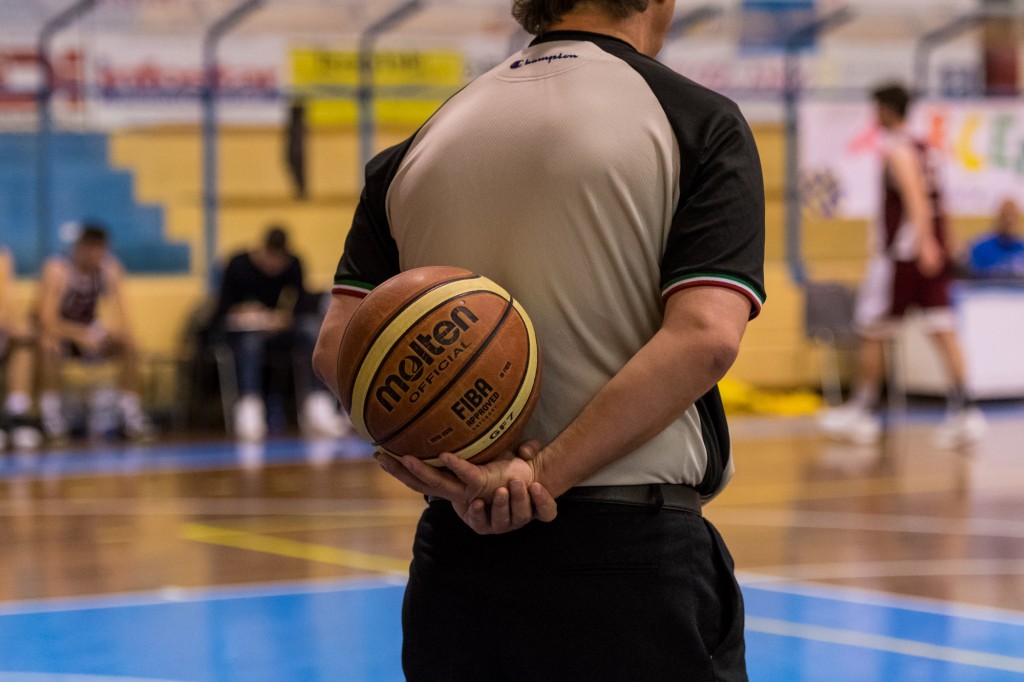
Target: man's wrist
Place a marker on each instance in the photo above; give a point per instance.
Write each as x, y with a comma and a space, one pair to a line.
546, 471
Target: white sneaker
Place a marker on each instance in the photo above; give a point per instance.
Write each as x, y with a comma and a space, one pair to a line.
20, 431
965, 427
138, 427
851, 423
26, 438
102, 420
54, 425
250, 419
320, 417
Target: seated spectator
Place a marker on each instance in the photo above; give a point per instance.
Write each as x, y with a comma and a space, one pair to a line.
1000, 254
263, 304
71, 289
17, 353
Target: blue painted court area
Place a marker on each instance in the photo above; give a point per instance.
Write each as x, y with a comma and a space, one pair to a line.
128, 459
350, 631
334, 631
817, 634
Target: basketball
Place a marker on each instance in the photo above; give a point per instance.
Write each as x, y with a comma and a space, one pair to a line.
439, 359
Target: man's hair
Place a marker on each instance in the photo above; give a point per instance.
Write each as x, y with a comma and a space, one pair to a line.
538, 16
276, 239
893, 96
93, 234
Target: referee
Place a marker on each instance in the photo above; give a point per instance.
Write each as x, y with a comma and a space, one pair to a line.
623, 205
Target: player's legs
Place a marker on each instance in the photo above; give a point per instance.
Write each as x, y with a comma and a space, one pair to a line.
948, 345
22, 430
128, 402
20, 371
870, 372
319, 415
873, 321
855, 420
249, 413
964, 423
51, 354
128, 376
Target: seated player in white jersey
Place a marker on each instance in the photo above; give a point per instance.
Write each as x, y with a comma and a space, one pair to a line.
17, 427
71, 289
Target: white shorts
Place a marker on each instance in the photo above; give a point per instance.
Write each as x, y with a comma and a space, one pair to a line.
873, 317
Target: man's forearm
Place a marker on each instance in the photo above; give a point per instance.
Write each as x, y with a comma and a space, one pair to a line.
62, 329
658, 384
328, 343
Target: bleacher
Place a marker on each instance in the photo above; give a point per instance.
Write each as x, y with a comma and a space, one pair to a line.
85, 187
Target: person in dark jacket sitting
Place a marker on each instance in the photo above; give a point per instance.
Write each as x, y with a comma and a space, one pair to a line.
263, 304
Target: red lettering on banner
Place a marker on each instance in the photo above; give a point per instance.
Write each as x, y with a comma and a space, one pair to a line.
23, 75
149, 78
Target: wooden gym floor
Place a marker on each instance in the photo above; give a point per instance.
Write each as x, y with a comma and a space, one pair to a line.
209, 561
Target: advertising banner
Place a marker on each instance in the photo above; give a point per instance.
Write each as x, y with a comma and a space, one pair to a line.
980, 142
159, 79
408, 85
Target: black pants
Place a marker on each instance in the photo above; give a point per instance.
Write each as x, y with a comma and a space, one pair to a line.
605, 592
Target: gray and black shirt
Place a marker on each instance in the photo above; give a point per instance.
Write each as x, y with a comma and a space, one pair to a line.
592, 182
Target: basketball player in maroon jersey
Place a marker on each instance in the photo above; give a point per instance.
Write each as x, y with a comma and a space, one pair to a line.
70, 292
911, 268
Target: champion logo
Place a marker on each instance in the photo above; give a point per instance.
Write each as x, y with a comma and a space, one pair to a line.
550, 58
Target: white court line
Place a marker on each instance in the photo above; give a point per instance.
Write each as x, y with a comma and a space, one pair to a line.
894, 645
65, 677
750, 427
888, 600
855, 570
176, 595
885, 523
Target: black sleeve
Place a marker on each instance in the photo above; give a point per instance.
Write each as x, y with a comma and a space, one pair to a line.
232, 290
295, 278
294, 281
717, 233
371, 254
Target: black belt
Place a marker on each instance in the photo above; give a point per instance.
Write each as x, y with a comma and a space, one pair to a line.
656, 495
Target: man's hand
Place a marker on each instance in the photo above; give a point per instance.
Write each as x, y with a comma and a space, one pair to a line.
511, 508
50, 344
91, 339
252, 316
930, 259
492, 498
514, 503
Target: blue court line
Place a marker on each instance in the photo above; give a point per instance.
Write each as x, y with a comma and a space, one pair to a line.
349, 629
118, 459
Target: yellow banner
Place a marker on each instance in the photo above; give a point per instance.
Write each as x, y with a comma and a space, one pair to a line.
409, 86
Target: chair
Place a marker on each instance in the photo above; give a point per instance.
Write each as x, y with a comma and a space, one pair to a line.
829, 322
276, 362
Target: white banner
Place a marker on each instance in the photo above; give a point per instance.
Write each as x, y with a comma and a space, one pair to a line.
981, 143
134, 80
114, 80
